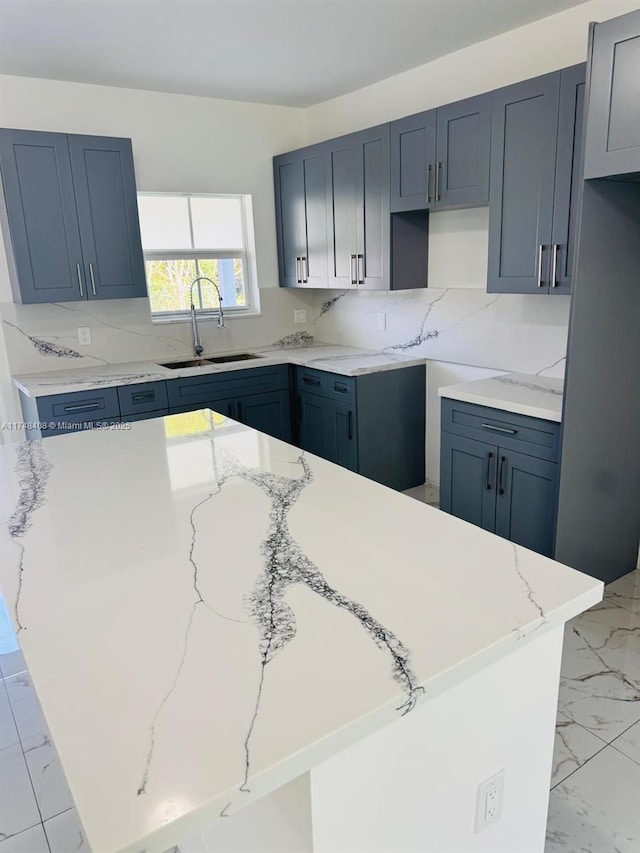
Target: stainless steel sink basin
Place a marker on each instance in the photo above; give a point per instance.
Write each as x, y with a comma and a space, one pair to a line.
205, 362
240, 356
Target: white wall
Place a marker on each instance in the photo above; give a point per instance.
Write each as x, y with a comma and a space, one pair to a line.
545, 45
180, 143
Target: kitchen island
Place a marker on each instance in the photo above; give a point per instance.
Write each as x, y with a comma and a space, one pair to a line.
240, 646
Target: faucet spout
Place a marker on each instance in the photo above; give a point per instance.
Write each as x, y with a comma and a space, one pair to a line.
198, 349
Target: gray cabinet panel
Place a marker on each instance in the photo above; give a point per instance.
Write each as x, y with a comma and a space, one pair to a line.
372, 223
105, 190
342, 446
41, 214
289, 195
568, 177
269, 413
463, 153
468, 480
526, 502
413, 158
613, 130
313, 262
523, 156
143, 397
342, 207
311, 424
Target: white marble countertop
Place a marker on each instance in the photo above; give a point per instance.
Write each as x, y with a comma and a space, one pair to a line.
208, 614
347, 361
522, 393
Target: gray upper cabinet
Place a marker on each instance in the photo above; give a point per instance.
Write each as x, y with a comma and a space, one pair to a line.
105, 188
536, 171
440, 158
358, 204
72, 216
613, 136
301, 217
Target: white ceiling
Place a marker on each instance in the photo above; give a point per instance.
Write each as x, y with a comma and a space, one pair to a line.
291, 52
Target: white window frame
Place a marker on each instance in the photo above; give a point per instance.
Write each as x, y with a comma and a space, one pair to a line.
246, 255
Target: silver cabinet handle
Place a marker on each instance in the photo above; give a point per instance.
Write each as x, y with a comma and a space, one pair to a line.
360, 268
83, 407
540, 250
298, 279
305, 269
554, 265
499, 429
79, 279
93, 281
354, 275
438, 171
429, 171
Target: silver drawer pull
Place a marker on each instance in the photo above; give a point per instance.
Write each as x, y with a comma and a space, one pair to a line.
84, 407
499, 429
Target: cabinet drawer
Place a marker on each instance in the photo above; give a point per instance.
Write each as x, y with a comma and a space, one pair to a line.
78, 407
145, 397
532, 436
330, 385
192, 390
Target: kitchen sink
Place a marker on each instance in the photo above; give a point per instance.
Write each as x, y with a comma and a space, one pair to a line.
205, 362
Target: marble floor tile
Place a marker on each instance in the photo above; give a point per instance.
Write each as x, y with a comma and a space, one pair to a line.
47, 777
65, 834
18, 807
573, 746
596, 809
629, 743
26, 710
427, 493
30, 841
600, 675
625, 592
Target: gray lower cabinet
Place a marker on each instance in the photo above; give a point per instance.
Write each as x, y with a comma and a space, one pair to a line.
499, 471
536, 172
613, 134
72, 217
440, 158
373, 424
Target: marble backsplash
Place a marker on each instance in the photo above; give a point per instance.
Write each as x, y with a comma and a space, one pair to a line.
44, 337
467, 326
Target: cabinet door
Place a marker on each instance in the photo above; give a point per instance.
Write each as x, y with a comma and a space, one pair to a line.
527, 501
523, 153
105, 189
269, 412
468, 479
42, 217
413, 160
463, 153
373, 221
289, 193
613, 126
341, 434
311, 423
341, 222
313, 263
569, 169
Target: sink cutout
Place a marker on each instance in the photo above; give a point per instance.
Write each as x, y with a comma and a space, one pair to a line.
205, 362
241, 356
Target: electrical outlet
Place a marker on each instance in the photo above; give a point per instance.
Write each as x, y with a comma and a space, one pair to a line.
382, 322
489, 801
84, 336
300, 316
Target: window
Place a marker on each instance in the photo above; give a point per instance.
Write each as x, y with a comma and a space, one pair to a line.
186, 236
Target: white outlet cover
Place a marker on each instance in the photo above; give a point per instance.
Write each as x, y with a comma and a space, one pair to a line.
300, 316
84, 336
382, 322
489, 801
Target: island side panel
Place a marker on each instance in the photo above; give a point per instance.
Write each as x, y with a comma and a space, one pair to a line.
413, 785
